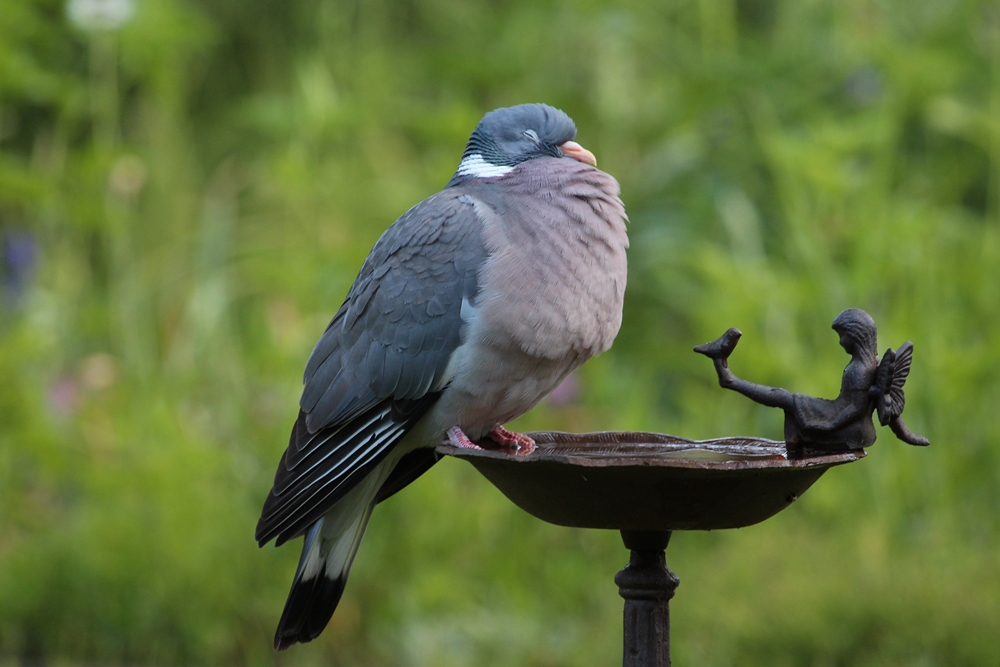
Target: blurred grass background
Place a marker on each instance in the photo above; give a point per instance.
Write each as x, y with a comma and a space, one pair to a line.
188, 188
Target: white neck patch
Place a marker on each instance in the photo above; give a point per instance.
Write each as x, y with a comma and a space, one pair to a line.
475, 165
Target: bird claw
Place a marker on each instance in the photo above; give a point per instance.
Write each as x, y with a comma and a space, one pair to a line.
519, 442
516, 444
457, 438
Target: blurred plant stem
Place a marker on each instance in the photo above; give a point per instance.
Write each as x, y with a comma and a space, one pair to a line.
129, 288
103, 89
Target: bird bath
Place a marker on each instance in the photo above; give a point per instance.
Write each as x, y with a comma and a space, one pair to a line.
648, 485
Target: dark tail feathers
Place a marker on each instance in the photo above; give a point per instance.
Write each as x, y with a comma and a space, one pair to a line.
309, 608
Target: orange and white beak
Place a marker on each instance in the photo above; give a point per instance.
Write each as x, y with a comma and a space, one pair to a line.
578, 152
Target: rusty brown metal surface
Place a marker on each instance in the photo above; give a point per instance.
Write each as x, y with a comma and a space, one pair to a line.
650, 481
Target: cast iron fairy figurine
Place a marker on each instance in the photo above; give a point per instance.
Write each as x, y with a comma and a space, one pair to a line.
819, 424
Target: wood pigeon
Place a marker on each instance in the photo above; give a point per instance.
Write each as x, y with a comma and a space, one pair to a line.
471, 307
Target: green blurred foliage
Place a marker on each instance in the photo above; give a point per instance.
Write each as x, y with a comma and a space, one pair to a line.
185, 200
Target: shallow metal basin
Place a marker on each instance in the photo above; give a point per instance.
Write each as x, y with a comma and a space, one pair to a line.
650, 481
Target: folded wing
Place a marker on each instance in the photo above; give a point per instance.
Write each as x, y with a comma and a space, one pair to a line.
381, 363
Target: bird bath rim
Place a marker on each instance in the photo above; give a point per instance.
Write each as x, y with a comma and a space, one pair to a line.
656, 449
650, 481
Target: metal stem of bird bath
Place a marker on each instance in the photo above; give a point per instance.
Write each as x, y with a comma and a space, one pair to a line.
647, 586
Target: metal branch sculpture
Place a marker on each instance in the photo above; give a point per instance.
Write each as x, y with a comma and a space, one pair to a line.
822, 425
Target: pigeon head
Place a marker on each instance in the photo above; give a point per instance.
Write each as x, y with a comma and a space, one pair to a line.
509, 136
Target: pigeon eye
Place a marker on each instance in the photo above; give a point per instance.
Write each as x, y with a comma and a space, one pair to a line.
531, 134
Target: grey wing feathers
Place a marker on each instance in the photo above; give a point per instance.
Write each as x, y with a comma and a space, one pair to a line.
380, 364
402, 318
340, 457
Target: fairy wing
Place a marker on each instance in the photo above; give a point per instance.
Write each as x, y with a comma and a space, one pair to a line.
887, 391
882, 391
901, 369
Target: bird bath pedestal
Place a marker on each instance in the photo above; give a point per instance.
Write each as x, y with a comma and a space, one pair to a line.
648, 485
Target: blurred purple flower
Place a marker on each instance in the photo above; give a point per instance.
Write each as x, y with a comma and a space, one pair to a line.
17, 262
64, 397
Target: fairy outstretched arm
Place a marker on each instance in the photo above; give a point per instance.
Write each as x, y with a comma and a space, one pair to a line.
719, 350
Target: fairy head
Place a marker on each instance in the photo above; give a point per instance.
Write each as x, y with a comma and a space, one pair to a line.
857, 333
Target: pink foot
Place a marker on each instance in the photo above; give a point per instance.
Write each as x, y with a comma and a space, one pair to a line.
519, 442
458, 439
